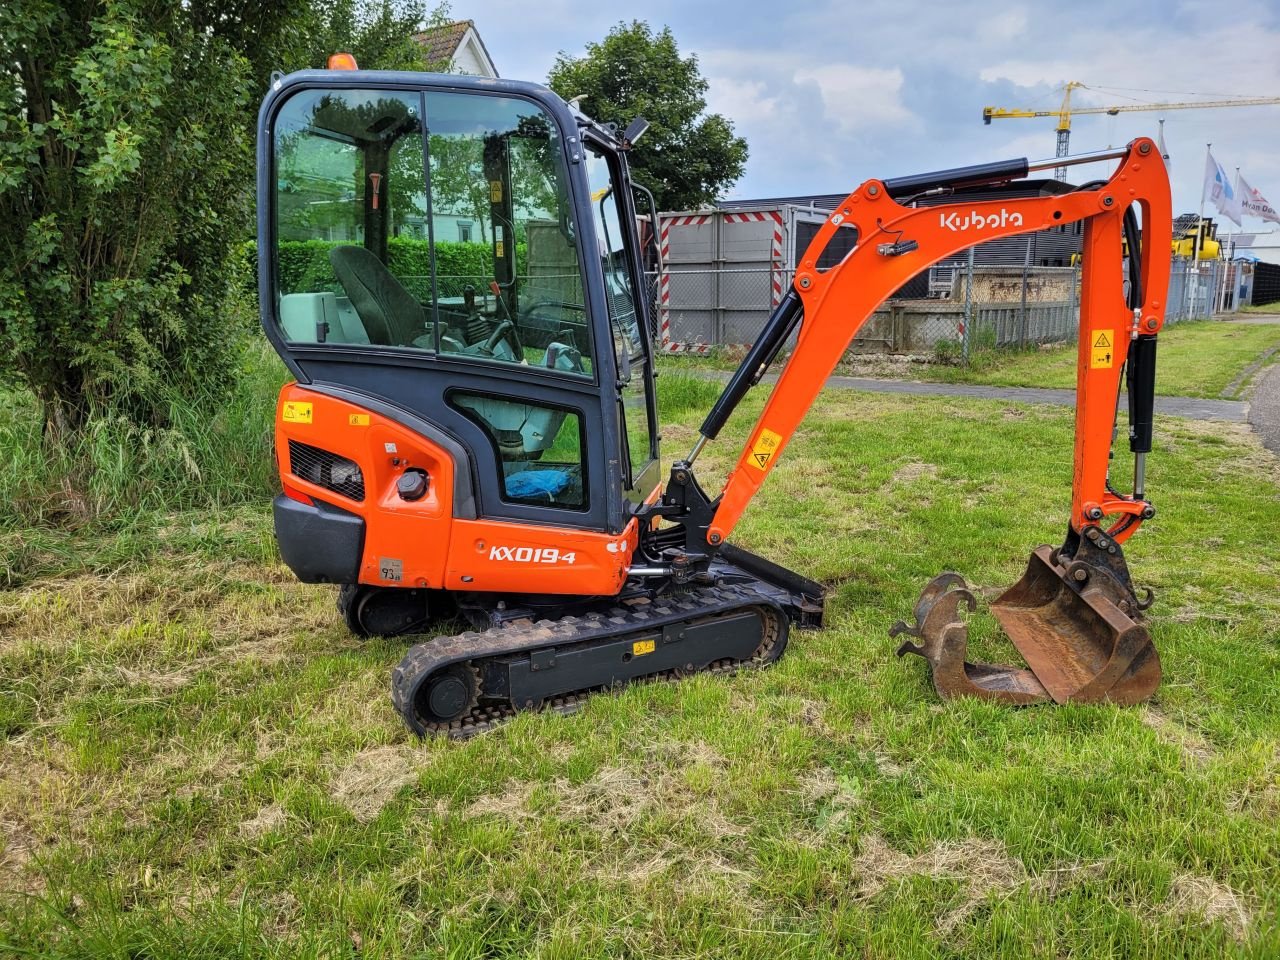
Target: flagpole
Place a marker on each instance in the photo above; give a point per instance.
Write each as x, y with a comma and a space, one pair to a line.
1222, 296
1195, 250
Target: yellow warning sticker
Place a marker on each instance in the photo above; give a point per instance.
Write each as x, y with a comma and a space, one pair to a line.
1102, 351
498, 249
641, 647
358, 419
764, 448
296, 412
495, 191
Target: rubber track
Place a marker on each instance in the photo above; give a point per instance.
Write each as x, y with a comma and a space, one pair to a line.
424, 659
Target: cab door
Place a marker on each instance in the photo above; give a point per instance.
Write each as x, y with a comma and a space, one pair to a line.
627, 290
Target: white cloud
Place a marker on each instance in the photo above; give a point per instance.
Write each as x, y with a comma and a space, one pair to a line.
737, 98
829, 92
856, 98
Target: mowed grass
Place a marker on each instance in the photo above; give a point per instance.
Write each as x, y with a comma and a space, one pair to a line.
199, 761
1204, 358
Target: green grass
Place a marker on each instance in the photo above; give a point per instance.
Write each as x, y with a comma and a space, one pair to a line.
200, 762
1196, 359
209, 452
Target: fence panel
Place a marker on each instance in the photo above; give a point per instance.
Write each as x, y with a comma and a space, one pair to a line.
701, 308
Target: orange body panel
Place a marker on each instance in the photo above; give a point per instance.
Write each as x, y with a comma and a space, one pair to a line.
837, 302
433, 548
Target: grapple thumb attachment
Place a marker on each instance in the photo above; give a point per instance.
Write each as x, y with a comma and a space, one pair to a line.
1073, 616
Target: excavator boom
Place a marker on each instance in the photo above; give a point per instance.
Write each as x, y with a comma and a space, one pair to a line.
1074, 615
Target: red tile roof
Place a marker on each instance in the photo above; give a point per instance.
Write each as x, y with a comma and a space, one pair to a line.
441, 43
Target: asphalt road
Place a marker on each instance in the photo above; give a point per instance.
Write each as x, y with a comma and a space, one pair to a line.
1264, 410
1196, 409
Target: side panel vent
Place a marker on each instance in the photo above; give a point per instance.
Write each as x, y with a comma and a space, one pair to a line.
326, 469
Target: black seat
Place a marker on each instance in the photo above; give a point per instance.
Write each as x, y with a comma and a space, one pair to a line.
390, 314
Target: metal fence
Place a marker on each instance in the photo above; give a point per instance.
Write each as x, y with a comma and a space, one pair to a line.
1195, 289
1021, 307
698, 309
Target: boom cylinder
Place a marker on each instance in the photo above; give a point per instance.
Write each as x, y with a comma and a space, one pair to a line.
786, 315
957, 177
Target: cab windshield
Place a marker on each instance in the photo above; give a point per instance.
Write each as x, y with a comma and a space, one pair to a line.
434, 222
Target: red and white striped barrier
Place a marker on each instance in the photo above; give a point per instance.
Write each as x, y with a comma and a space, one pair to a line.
776, 269
666, 344
775, 245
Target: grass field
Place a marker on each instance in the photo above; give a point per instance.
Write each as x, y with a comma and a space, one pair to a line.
200, 762
1203, 358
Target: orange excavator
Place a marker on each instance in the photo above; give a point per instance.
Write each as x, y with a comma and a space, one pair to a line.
451, 270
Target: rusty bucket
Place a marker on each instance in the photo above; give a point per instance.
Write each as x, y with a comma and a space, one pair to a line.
1073, 616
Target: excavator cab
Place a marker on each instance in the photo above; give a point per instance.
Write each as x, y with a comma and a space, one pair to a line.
463, 254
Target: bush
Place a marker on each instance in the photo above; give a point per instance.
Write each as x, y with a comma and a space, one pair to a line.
213, 448
123, 165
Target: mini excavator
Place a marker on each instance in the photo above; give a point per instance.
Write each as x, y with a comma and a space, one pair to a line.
451, 269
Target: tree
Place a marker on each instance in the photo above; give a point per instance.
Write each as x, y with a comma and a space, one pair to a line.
123, 166
687, 157
379, 33
126, 180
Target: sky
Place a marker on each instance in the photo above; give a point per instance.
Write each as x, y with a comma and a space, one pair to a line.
828, 94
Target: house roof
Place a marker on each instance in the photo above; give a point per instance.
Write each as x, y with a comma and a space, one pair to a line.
442, 43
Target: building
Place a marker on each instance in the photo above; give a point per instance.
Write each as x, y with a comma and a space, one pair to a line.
460, 45
1054, 247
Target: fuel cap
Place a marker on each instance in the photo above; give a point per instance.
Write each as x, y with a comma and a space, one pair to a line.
412, 485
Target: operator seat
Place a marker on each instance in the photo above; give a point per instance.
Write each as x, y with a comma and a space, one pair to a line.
390, 314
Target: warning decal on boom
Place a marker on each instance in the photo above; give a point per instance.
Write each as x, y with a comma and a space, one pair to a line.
764, 448
1102, 350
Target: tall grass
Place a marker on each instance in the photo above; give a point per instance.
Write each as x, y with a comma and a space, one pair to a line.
213, 450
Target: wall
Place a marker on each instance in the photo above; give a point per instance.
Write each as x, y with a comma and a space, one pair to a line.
1003, 284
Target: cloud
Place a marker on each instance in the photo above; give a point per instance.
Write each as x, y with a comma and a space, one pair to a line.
857, 98
829, 93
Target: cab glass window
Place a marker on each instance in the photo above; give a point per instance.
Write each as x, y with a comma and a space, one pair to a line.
436, 222
539, 449
351, 219
614, 239
509, 286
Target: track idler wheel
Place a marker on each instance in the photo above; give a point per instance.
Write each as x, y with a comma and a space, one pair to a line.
446, 698
1074, 616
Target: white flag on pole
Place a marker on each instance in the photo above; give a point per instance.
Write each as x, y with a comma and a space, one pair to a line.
1255, 204
1219, 191
1164, 151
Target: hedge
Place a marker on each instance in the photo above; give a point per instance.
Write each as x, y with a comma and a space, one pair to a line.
304, 264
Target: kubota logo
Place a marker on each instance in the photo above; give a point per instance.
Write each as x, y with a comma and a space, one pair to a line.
974, 220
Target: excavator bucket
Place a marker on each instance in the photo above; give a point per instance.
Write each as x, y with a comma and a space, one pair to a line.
1075, 619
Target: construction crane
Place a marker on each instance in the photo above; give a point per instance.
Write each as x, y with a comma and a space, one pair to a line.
1065, 112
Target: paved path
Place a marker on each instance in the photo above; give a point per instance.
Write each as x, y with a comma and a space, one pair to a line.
1195, 409
1264, 410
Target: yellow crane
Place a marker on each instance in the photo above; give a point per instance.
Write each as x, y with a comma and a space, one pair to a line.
1065, 112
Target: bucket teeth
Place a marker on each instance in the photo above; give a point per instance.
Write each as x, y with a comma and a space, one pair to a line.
1073, 615
945, 644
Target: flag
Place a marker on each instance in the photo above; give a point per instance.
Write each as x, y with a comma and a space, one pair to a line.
1164, 151
1255, 204
1218, 190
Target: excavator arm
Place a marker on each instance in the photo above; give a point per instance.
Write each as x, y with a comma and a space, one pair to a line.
1075, 615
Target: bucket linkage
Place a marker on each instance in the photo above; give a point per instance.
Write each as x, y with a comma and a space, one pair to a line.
1074, 617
